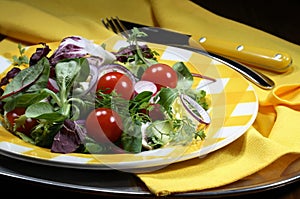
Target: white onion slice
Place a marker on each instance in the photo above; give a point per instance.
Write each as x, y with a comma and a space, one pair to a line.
205, 118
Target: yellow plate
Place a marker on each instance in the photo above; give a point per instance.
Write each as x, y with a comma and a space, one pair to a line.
233, 109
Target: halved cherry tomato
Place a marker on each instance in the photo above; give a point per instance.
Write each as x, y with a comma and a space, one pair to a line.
162, 75
28, 124
104, 125
117, 81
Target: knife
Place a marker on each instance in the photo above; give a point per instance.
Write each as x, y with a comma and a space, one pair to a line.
255, 77
253, 56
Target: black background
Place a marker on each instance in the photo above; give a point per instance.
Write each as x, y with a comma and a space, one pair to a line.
280, 18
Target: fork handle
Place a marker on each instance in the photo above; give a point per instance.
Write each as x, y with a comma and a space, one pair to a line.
258, 57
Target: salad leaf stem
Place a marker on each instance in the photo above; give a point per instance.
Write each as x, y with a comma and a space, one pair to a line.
53, 95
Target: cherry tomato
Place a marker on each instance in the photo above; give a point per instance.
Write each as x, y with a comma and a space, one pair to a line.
162, 75
104, 125
29, 122
156, 113
117, 81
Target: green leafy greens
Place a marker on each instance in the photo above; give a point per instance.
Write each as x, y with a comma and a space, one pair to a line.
29, 89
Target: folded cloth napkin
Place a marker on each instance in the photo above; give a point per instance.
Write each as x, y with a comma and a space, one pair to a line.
273, 137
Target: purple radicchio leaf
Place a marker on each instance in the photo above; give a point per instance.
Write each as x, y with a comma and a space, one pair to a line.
70, 47
4, 81
69, 138
10, 74
39, 54
78, 47
125, 54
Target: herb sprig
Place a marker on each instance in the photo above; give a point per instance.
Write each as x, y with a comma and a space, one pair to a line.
22, 58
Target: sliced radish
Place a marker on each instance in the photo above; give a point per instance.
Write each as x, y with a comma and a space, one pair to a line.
142, 86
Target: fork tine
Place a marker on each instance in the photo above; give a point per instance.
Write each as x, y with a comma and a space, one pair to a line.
104, 23
108, 23
115, 25
121, 27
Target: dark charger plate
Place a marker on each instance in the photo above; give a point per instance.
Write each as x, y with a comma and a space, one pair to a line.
113, 183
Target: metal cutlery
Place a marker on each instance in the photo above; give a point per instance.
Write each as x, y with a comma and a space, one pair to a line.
268, 59
166, 37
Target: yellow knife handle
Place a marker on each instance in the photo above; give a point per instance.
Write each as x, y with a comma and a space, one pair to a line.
254, 56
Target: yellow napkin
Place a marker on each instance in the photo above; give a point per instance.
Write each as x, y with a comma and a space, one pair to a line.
275, 134
33, 21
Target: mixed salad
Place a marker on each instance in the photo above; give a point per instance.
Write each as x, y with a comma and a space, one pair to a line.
84, 99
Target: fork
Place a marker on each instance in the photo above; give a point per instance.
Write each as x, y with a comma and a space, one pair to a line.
114, 24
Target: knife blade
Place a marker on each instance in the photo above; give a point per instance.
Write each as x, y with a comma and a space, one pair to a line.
252, 56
